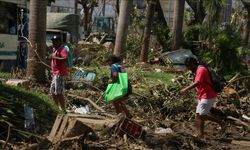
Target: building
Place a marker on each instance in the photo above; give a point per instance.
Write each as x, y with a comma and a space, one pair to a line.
168, 11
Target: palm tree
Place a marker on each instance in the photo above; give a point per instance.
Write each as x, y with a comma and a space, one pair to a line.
88, 7
213, 9
147, 29
37, 47
122, 27
178, 23
246, 29
198, 9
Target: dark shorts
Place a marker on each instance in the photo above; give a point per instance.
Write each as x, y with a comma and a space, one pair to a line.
57, 85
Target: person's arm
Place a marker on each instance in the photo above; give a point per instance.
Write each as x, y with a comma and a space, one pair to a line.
114, 76
58, 58
63, 55
186, 89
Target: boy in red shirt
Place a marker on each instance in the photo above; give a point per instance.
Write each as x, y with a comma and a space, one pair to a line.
60, 71
207, 95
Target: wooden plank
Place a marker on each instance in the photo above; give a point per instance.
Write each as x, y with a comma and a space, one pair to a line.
55, 127
96, 124
62, 127
72, 122
242, 143
93, 116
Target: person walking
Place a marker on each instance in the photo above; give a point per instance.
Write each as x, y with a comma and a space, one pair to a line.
115, 67
206, 94
60, 72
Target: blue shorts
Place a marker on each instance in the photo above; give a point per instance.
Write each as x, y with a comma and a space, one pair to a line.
204, 106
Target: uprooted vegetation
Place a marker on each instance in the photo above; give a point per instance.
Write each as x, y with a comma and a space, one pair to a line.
166, 116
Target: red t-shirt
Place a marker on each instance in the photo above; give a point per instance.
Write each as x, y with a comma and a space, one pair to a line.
58, 66
204, 90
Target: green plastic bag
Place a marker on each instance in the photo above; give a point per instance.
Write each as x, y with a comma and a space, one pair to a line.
117, 90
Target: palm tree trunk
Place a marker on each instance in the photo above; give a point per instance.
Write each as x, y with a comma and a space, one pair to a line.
246, 30
117, 7
37, 34
199, 10
147, 29
122, 28
178, 23
245, 34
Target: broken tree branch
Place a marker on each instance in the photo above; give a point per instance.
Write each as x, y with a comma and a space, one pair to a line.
239, 121
236, 79
87, 99
7, 139
86, 84
28, 133
8, 144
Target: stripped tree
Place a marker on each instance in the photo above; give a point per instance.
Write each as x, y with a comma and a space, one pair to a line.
37, 37
122, 27
178, 23
146, 35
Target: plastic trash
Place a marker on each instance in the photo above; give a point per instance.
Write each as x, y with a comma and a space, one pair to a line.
82, 109
29, 121
83, 75
177, 57
245, 117
161, 130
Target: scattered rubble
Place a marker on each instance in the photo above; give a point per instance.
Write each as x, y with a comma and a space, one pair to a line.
162, 119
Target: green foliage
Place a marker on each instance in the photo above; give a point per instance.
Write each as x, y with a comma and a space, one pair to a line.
243, 50
4, 75
12, 100
190, 36
225, 54
134, 37
213, 9
133, 47
163, 35
220, 47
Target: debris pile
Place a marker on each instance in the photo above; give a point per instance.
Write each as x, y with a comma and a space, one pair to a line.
163, 119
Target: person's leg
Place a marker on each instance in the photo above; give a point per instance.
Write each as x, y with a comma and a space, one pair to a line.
61, 101
55, 99
213, 118
117, 106
121, 107
205, 106
201, 110
200, 125
125, 110
59, 90
53, 90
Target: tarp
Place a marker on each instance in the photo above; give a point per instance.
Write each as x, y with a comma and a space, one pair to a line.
177, 57
63, 21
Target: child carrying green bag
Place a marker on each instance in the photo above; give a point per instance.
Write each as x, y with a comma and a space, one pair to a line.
118, 86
